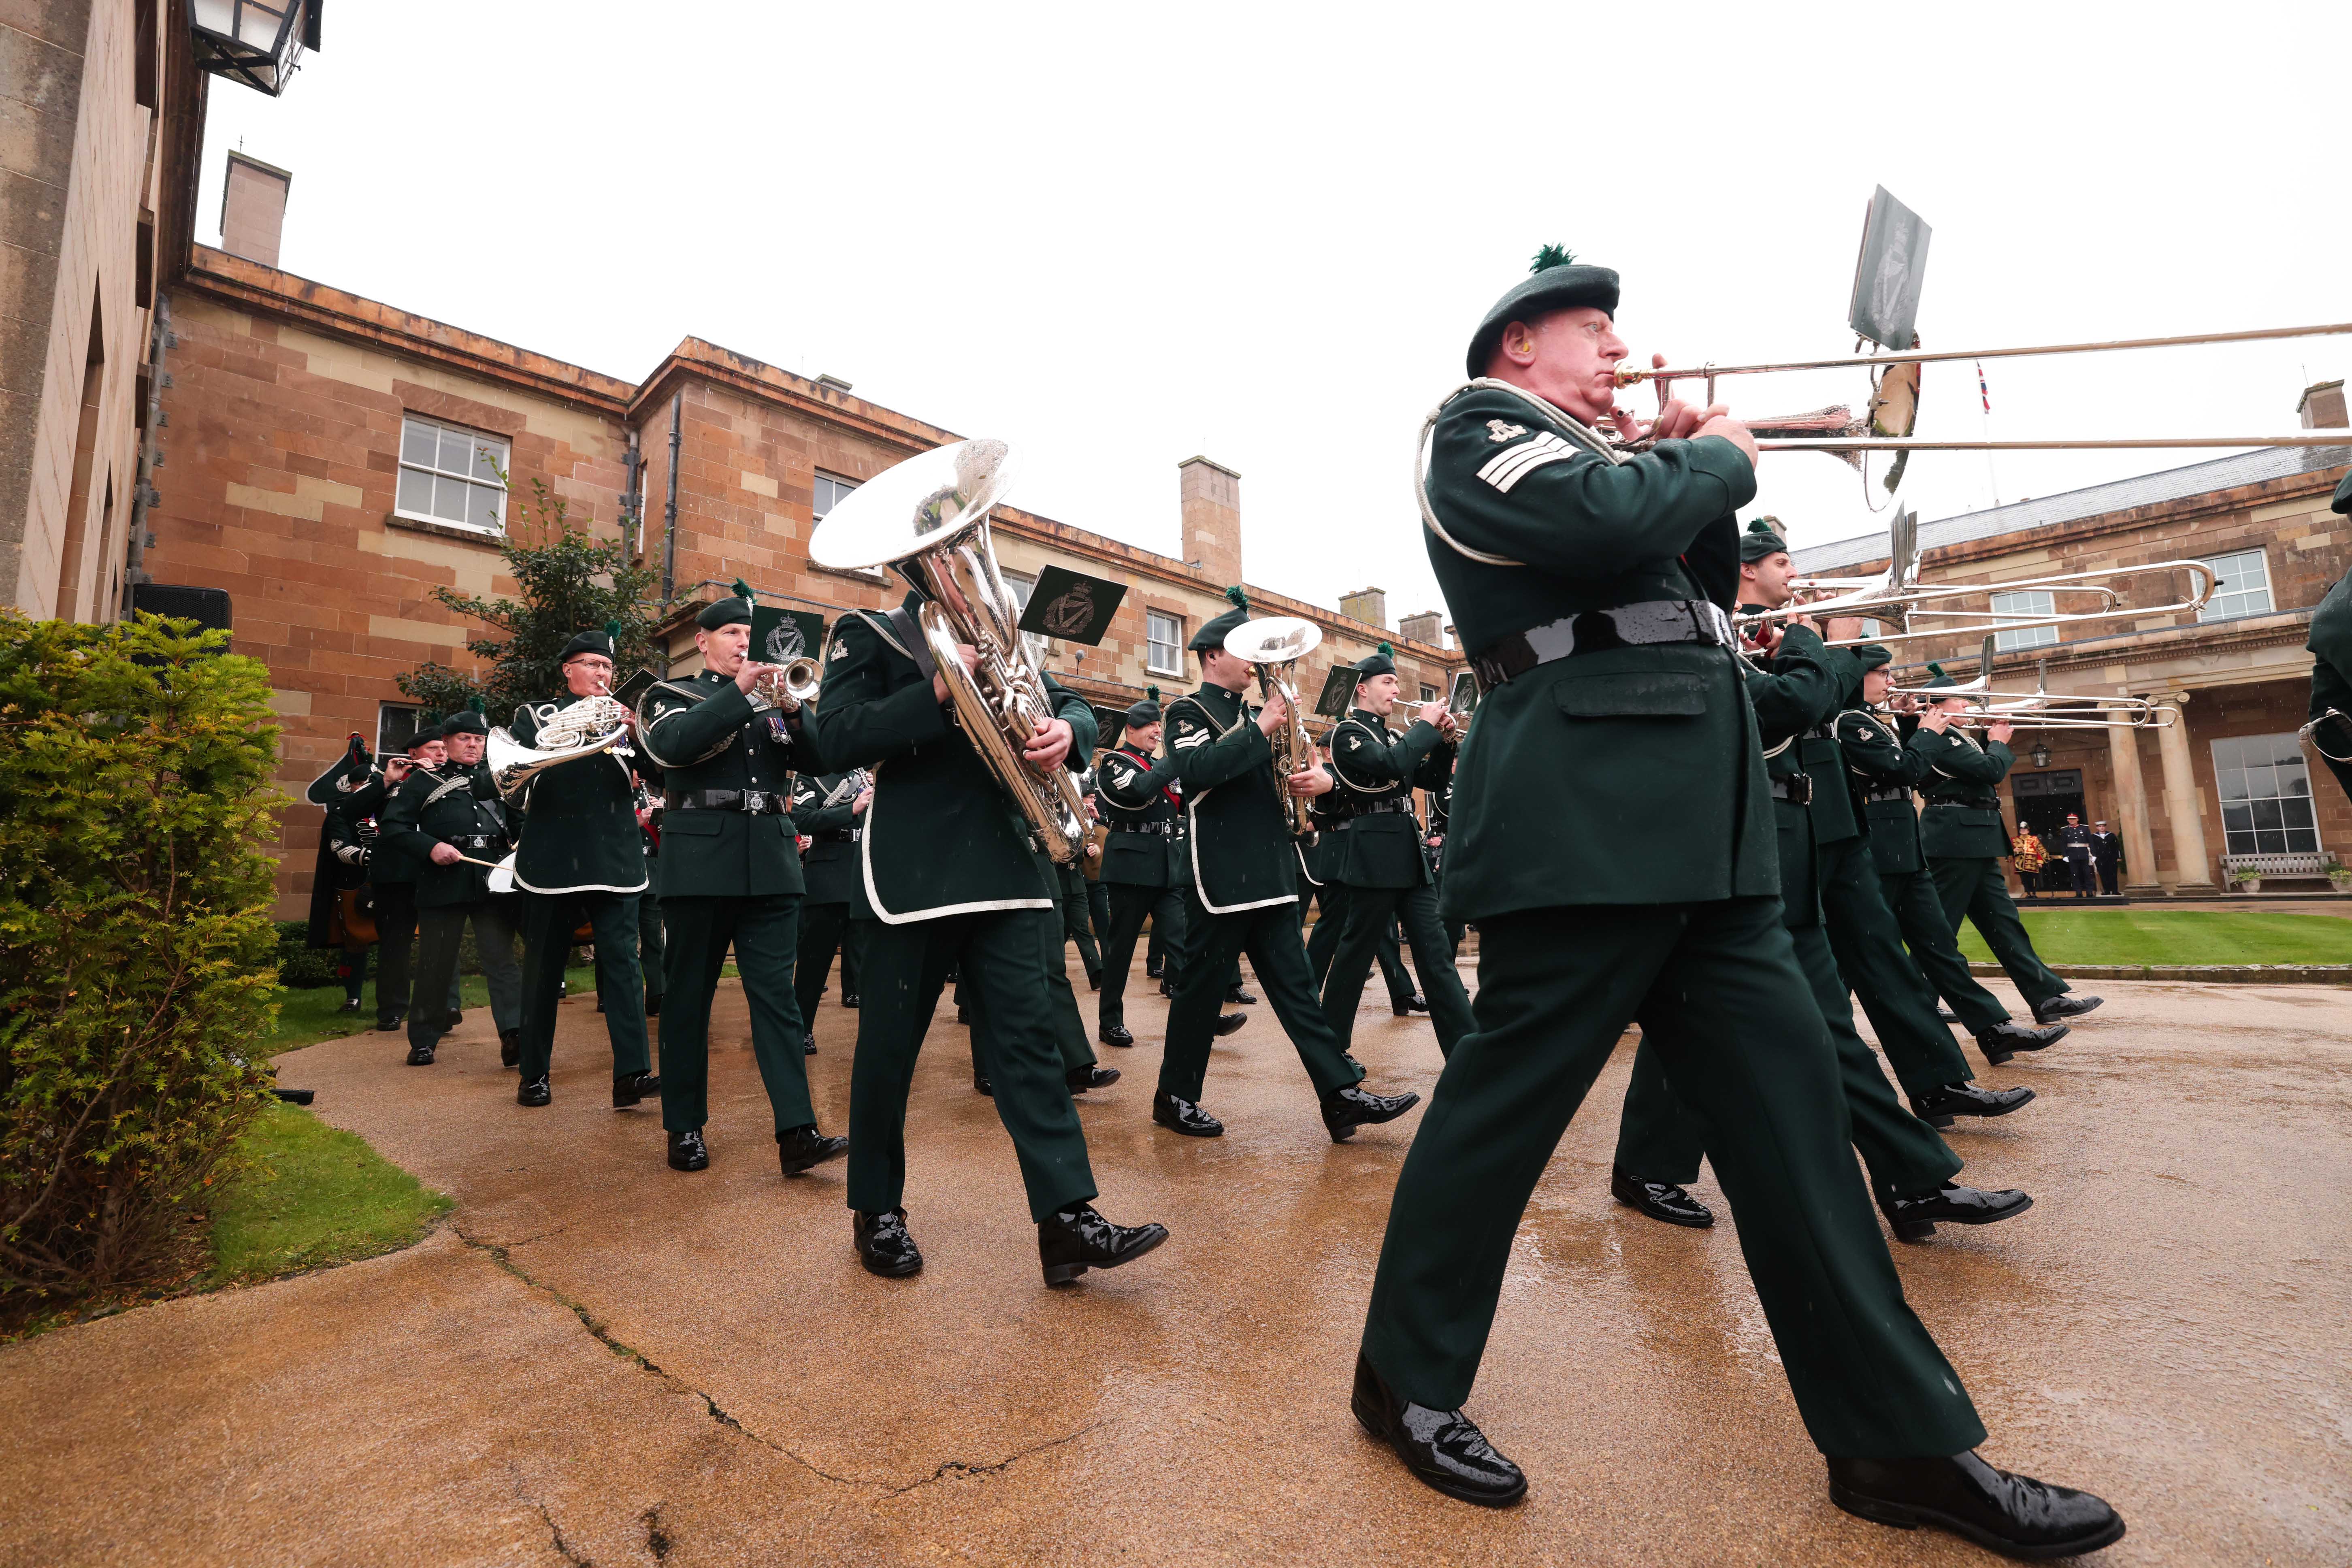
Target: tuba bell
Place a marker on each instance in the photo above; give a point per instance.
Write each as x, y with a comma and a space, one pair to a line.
928, 518
578, 729
1276, 644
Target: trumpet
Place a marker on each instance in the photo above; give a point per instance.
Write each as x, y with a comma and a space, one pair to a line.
789, 685
1275, 644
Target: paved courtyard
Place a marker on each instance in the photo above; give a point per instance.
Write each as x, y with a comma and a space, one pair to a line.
599, 1361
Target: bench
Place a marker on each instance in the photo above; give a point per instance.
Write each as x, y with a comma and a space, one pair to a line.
2282, 868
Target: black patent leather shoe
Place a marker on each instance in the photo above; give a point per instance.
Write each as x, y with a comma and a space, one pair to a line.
1660, 1200
1090, 1076
1153, 971
884, 1245
2008, 1038
1915, 1219
963, 1016
2067, 1006
1183, 1116
420, 1056
808, 1043
2016, 1516
1237, 997
849, 1000
1115, 1034
533, 1093
1937, 1107
388, 1022
980, 1084
509, 1048
1345, 1109
351, 1004
688, 1151
631, 1088
798, 1148
1416, 1002
1228, 1024
1077, 1239
451, 1019
1443, 1448
1164, 991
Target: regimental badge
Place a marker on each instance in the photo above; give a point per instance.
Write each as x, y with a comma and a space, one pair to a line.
840, 649
1071, 606
1497, 432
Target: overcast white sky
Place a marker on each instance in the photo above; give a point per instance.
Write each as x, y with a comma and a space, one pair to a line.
1265, 232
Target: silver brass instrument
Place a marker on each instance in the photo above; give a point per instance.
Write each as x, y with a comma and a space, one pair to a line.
2039, 709
928, 518
578, 729
1275, 644
789, 685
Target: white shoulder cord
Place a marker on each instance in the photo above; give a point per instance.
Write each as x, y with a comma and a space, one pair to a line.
1567, 424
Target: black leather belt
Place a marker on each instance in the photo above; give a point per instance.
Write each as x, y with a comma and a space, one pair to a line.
1598, 631
1394, 803
1896, 792
838, 836
1797, 788
1163, 829
759, 803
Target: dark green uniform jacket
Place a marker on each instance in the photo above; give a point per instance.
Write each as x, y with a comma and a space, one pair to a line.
1377, 771
1886, 771
706, 735
1142, 805
580, 832
942, 837
2331, 675
455, 807
1963, 820
1804, 685
834, 864
1241, 846
1632, 775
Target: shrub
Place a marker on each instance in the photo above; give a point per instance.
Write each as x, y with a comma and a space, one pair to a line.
135, 938
301, 966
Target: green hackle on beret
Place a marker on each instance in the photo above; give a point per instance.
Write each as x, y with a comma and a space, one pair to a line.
1551, 256
1236, 597
1762, 539
1937, 676
1386, 651
1151, 693
743, 591
613, 630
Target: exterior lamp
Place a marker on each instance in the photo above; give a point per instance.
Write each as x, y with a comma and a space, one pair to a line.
2040, 754
256, 42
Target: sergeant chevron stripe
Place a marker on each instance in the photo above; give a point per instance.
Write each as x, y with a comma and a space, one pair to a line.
1506, 468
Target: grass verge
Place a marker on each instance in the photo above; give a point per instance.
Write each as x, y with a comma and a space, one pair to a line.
308, 1194
2177, 937
316, 1013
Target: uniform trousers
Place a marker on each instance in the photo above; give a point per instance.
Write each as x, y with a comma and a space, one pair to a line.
1099, 911
1971, 888
1000, 957
1659, 1140
1893, 992
1269, 934
1719, 995
651, 948
440, 932
765, 932
1918, 911
1130, 904
1070, 1037
1371, 913
1332, 899
2078, 873
396, 933
1074, 925
826, 930
548, 921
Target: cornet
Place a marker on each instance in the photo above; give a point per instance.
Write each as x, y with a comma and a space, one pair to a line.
788, 685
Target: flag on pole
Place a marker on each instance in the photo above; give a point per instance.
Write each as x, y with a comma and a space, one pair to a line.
1983, 392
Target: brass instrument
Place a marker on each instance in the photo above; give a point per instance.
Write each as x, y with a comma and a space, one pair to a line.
1275, 644
928, 517
789, 685
2041, 708
581, 729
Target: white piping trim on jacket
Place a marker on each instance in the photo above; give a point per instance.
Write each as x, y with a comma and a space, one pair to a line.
1192, 822
874, 897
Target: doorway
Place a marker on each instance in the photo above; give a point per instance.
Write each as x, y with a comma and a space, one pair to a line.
2043, 801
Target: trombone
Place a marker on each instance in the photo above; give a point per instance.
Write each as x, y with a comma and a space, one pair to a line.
2039, 709
1854, 436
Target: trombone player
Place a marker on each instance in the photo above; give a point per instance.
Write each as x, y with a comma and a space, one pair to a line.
581, 852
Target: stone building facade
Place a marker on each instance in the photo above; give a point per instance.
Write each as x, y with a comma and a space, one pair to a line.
2227, 785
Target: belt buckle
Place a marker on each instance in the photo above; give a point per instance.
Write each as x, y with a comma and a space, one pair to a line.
755, 802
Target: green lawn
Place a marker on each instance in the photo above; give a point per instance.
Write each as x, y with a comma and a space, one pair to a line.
310, 1194
2177, 937
315, 1013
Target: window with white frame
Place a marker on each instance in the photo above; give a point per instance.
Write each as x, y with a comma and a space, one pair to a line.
395, 728
2025, 606
2265, 789
2243, 589
1428, 693
451, 476
1020, 587
1163, 643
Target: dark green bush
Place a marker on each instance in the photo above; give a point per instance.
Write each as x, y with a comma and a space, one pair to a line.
301, 966
135, 940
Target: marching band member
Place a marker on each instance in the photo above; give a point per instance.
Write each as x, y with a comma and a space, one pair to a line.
1382, 864
1320, 861
959, 882
1242, 896
829, 810
447, 820
731, 873
1592, 589
581, 854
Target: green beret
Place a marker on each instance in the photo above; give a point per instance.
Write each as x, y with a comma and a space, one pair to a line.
1212, 632
734, 612
1935, 677
2342, 502
1147, 711
465, 720
1381, 660
1761, 539
428, 728
1557, 283
596, 642
1871, 656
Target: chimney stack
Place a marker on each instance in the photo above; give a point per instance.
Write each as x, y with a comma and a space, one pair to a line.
253, 208
1428, 627
2323, 406
1211, 496
1369, 605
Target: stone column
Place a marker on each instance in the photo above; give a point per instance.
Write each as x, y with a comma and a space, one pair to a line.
2131, 812
2194, 870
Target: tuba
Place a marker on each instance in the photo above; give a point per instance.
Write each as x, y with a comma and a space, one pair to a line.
928, 518
1276, 644
578, 729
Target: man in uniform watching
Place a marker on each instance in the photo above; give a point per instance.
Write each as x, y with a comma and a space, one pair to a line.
731, 873
1592, 590
2074, 843
581, 855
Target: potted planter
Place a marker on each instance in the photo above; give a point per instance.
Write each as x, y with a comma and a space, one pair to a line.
2248, 881
2339, 878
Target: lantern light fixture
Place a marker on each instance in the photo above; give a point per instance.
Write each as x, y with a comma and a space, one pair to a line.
256, 42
